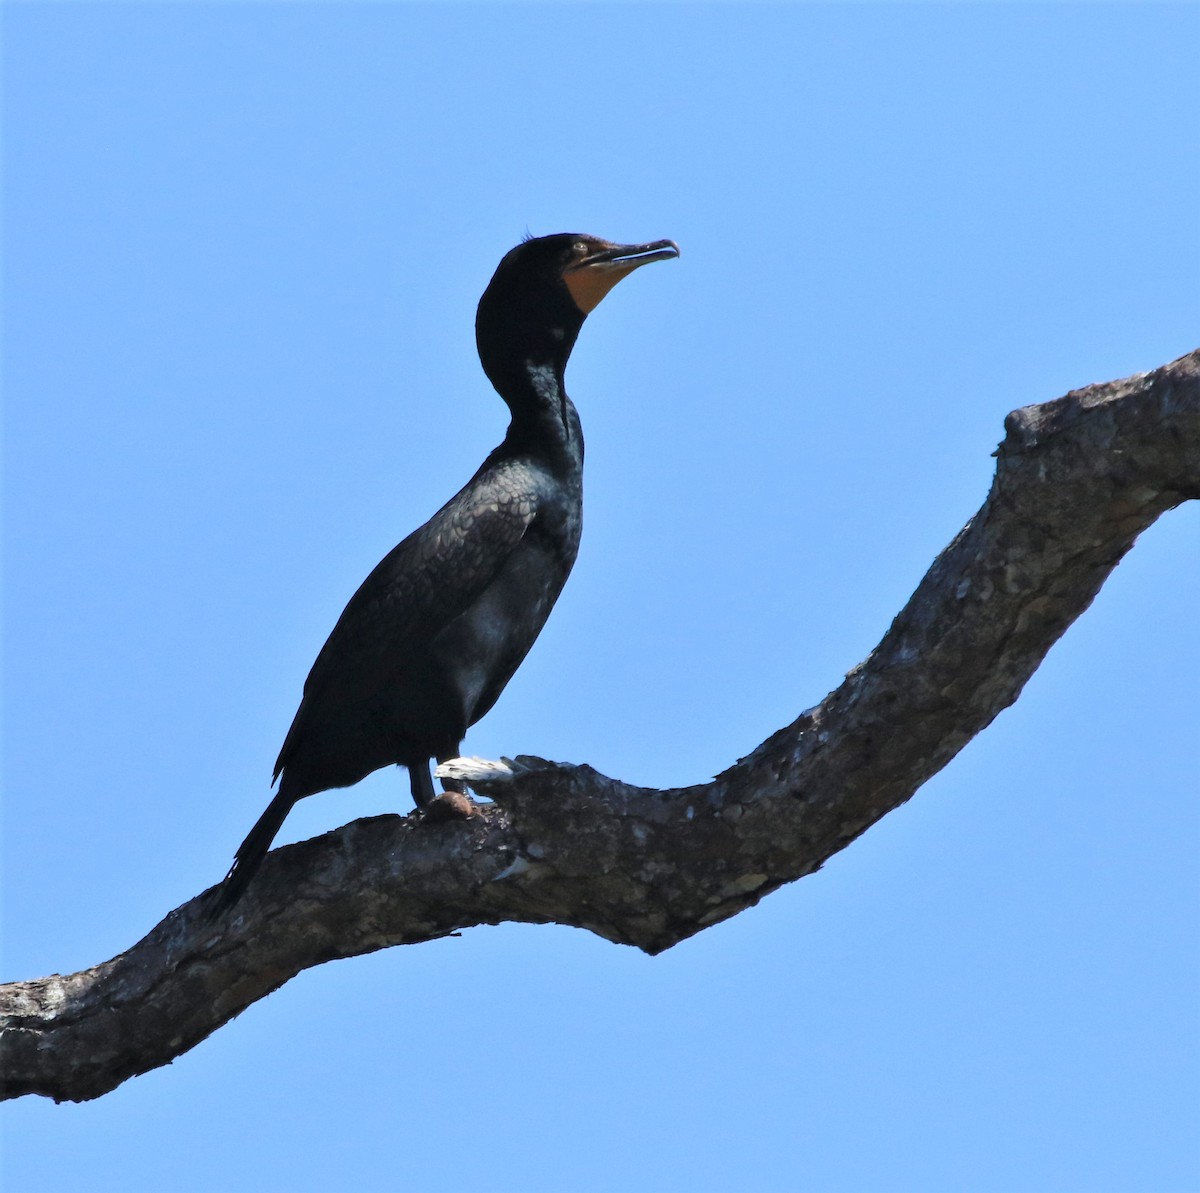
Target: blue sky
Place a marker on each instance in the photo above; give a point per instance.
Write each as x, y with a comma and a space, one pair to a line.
243, 245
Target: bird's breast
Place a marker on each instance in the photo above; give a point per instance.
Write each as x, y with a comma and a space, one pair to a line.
481, 649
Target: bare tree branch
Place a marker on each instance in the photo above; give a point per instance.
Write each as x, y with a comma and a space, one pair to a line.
1077, 480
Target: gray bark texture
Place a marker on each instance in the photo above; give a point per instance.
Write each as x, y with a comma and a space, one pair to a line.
1077, 480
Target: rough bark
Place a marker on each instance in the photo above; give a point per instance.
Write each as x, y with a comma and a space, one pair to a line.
1077, 480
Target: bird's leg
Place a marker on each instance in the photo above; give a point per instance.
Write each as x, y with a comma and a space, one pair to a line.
453, 784
454, 803
421, 784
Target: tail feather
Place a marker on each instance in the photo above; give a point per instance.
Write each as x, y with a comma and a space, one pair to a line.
249, 856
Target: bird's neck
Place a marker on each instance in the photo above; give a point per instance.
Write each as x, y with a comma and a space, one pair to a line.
542, 413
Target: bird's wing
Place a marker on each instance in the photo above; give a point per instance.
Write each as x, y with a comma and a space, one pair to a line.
420, 586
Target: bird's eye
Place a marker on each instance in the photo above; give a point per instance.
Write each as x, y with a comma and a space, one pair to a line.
580, 248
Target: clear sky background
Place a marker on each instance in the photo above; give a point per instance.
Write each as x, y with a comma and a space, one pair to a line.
243, 250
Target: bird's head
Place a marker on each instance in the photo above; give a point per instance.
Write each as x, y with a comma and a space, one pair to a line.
543, 290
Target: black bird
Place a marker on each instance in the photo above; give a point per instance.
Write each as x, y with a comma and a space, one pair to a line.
426, 645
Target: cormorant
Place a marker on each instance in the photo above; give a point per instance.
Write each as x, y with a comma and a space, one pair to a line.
429, 640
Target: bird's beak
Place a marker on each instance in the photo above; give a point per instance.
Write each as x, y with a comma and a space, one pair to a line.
592, 277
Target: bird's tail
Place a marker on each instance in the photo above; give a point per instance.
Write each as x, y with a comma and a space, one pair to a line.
249, 856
